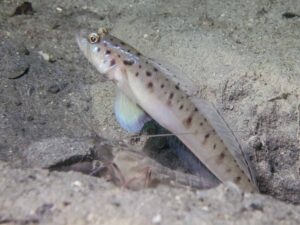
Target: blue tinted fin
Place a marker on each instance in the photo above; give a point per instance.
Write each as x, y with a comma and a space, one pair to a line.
129, 115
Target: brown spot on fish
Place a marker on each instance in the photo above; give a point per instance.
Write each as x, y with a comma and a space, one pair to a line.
228, 170
98, 49
177, 86
119, 56
107, 52
221, 157
181, 106
140, 66
138, 54
112, 62
122, 43
214, 147
148, 73
147, 62
188, 121
237, 180
201, 124
162, 86
155, 70
196, 110
128, 62
137, 74
171, 95
150, 85
205, 138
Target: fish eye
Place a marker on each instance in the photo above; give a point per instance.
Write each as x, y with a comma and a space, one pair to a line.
93, 38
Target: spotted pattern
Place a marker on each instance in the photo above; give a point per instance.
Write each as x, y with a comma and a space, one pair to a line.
221, 157
112, 62
150, 85
128, 62
237, 180
206, 137
187, 123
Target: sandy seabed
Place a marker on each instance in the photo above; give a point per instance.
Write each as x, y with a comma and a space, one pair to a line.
242, 56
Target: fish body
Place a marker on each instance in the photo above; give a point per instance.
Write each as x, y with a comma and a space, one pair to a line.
195, 123
132, 119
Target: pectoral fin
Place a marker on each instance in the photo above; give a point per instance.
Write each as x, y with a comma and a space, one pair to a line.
129, 115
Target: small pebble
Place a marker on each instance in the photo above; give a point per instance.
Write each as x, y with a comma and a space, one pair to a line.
45, 56
54, 89
30, 91
30, 118
43, 209
205, 208
77, 183
256, 206
289, 15
157, 219
59, 9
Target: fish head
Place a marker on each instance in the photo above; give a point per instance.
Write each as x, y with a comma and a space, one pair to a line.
94, 47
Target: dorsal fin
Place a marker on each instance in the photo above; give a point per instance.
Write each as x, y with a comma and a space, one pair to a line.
227, 135
174, 73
